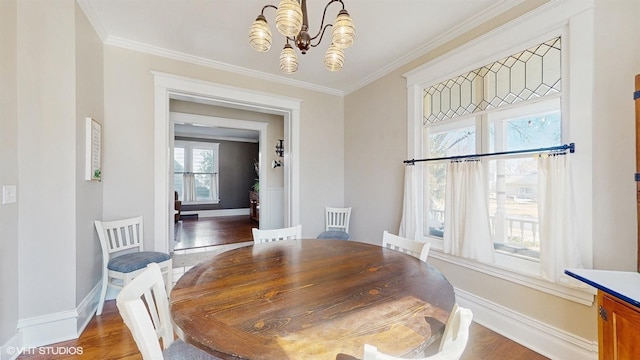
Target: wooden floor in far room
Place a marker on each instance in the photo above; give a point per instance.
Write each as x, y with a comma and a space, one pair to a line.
211, 231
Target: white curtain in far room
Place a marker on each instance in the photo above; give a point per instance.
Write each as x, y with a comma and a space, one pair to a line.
189, 187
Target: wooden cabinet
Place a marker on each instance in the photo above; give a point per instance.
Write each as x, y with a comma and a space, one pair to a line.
618, 328
254, 206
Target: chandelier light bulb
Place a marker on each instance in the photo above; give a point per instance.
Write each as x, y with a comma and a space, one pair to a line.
260, 35
289, 18
288, 60
344, 31
334, 59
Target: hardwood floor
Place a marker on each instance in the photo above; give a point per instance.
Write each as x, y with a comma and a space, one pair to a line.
202, 232
106, 336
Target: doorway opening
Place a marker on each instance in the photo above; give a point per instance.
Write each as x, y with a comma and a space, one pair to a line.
214, 187
167, 87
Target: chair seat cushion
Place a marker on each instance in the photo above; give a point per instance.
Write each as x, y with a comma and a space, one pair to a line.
135, 261
181, 350
334, 234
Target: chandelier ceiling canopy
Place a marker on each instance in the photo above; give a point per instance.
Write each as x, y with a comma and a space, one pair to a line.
292, 22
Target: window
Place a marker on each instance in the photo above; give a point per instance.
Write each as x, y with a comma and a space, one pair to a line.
511, 180
195, 169
511, 104
469, 101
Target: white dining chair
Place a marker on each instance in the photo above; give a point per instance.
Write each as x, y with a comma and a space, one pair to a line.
270, 235
123, 255
144, 308
454, 339
336, 223
407, 246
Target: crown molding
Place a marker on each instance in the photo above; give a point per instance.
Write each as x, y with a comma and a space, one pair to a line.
455, 32
197, 60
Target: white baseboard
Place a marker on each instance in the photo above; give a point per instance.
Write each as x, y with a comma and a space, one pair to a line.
216, 213
536, 335
66, 325
12, 348
88, 307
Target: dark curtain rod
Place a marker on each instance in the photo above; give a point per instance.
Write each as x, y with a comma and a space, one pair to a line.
571, 147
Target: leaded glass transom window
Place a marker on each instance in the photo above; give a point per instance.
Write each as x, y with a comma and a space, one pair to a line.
529, 74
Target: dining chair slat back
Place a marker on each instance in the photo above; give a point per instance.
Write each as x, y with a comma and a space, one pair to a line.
407, 246
144, 308
337, 219
270, 235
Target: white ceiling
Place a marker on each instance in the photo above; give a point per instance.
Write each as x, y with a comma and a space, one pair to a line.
389, 33
216, 133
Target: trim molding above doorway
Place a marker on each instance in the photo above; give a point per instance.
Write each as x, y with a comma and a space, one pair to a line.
169, 86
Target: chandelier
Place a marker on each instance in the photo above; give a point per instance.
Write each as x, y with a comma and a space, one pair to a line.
292, 22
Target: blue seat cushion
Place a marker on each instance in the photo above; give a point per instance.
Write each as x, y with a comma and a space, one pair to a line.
134, 261
334, 234
181, 350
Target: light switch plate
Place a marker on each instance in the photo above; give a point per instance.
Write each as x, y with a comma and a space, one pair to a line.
9, 194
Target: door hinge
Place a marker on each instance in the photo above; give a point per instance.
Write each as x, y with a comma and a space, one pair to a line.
603, 313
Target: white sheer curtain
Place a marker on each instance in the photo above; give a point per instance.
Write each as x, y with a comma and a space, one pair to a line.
409, 223
214, 187
559, 248
467, 231
188, 187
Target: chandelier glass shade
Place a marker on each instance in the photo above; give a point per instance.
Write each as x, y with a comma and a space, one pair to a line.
288, 60
291, 21
289, 18
260, 35
344, 32
334, 59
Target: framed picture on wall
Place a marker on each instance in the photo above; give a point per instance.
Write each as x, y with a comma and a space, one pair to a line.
93, 147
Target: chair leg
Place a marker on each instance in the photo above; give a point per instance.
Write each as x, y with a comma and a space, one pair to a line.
169, 282
103, 292
169, 277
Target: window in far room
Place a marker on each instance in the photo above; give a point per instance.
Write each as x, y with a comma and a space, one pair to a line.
195, 170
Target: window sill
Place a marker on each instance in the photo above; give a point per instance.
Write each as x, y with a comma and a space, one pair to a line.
584, 296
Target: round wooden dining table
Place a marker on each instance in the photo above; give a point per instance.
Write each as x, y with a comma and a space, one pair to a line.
310, 299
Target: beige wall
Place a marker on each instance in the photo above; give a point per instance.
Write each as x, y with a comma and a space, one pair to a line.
49, 262
617, 42
128, 136
376, 145
89, 103
8, 170
46, 157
